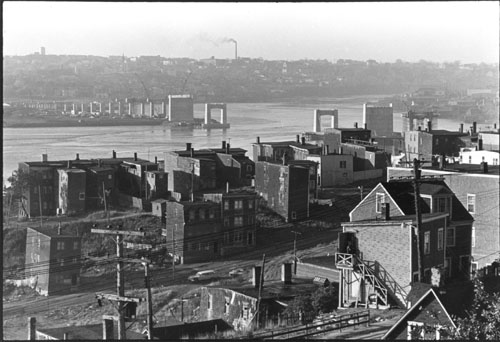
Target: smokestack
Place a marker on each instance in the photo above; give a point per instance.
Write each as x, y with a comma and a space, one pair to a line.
44, 157
77, 156
298, 139
223, 144
32, 328
479, 144
286, 273
461, 130
485, 167
386, 211
227, 148
256, 276
355, 125
114, 154
474, 127
135, 156
107, 329
192, 152
303, 140
258, 140
188, 146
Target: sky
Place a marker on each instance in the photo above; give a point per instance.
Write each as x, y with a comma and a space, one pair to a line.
466, 31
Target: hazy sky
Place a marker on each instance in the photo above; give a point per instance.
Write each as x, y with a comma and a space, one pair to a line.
444, 31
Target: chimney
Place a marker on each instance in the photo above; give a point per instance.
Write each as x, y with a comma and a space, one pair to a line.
32, 328
479, 144
192, 152
256, 276
44, 157
188, 146
69, 164
285, 158
303, 140
286, 273
461, 128
156, 160
298, 139
341, 150
135, 156
107, 329
114, 154
485, 167
227, 148
495, 126
223, 144
386, 211
258, 140
429, 125
355, 125
327, 149
366, 125
474, 127
442, 161
66, 336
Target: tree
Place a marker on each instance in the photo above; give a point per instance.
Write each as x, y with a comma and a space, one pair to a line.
301, 307
483, 321
325, 299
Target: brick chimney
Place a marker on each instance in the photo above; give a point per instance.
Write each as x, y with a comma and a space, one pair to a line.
77, 156
303, 140
429, 125
44, 157
256, 276
156, 160
135, 156
228, 146
192, 152
474, 127
366, 125
461, 130
188, 146
355, 125
479, 144
298, 139
485, 167
223, 144
286, 273
258, 140
114, 154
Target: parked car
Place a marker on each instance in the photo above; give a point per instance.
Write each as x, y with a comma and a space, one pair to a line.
202, 275
237, 272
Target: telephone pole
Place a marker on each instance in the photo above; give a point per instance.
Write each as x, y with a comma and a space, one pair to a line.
418, 212
295, 251
120, 281
261, 284
149, 300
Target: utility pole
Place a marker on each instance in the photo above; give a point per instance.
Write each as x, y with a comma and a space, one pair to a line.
418, 212
149, 301
295, 251
120, 281
105, 202
261, 284
40, 200
165, 233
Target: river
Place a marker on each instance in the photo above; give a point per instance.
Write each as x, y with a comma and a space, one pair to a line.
269, 121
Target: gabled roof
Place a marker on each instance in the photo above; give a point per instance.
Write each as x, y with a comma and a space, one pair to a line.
403, 194
429, 300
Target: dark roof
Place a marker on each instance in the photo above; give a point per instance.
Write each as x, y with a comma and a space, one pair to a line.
87, 332
277, 289
323, 261
428, 309
53, 232
231, 150
458, 211
446, 132
100, 169
305, 146
434, 188
350, 129
403, 194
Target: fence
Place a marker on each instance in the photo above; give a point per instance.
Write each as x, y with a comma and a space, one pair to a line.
318, 326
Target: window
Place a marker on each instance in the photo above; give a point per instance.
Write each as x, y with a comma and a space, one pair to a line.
415, 331
343, 164
226, 221
74, 279
441, 205
110, 177
238, 237
238, 204
202, 214
210, 302
81, 196
39, 242
427, 243
416, 277
470, 159
450, 237
294, 215
61, 262
249, 168
45, 205
250, 204
440, 239
473, 237
226, 237
246, 311
75, 245
192, 215
238, 221
380, 198
211, 214
250, 220
495, 161
60, 245
226, 305
226, 205
471, 203
249, 238
482, 158
427, 275
344, 174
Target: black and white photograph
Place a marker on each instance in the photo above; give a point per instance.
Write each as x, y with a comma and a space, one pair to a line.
251, 170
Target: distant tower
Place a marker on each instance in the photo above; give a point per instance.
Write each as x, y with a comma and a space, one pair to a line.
42, 51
